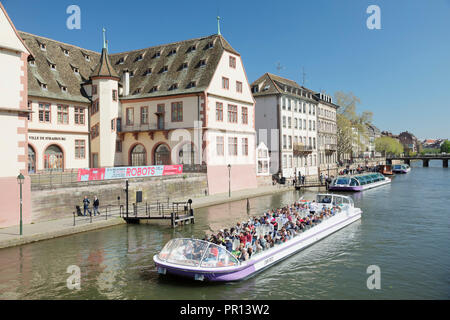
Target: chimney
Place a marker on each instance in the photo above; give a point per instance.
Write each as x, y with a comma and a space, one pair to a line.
126, 83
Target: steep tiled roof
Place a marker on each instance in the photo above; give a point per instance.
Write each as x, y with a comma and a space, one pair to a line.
189, 64
65, 67
269, 84
104, 68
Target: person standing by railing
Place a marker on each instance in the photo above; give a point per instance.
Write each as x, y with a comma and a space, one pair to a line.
96, 205
86, 203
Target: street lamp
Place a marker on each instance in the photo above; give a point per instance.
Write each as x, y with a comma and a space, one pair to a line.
229, 180
20, 180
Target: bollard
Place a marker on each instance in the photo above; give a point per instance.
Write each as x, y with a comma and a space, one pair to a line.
74, 218
106, 213
248, 205
90, 217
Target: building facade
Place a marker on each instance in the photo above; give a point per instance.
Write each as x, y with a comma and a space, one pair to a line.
286, 121
187, 103
14, 55
326, 134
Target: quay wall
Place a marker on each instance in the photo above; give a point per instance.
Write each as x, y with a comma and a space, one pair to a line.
60, 202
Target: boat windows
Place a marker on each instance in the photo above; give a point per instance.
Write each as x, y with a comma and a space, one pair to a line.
337, 201
342, 181
354, 182
217, 257
324, 198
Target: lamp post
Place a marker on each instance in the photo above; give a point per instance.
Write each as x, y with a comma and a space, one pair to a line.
20, 180
229, 180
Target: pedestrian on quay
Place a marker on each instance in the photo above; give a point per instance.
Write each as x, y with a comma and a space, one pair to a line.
86, 203
96, 204
321, 178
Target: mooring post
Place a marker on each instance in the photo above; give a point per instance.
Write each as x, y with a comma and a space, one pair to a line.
126, 192
172, 219
74, 218
248, 205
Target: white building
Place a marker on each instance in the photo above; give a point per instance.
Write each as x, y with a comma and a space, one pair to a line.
286, 120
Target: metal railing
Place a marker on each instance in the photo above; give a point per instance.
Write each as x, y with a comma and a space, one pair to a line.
105, 212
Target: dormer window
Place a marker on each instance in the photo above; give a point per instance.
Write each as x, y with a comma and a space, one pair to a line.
173, 87
66, 52
131, 74
202, 63
32, 63
255, 89
190, 85
52, 66
87, 58
172, 52
164, 69
183, 66
137, 91
76, 70
209, 45
140, 57
43, 46
63, 88
148, 72
157, 54
191, 49
43, 86
121, 60
153, 89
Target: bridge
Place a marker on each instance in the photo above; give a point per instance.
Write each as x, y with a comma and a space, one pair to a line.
425, 159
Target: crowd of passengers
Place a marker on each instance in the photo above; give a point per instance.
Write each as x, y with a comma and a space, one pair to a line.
297, 217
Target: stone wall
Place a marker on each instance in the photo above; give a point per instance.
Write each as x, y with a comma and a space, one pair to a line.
60, 202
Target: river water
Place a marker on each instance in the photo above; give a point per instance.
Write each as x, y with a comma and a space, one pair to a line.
404, 230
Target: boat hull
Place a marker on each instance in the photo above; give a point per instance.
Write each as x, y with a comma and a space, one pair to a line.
266, 258
359, 188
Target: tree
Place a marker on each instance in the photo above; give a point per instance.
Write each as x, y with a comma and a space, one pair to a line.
445, 147
388, 146
353, 130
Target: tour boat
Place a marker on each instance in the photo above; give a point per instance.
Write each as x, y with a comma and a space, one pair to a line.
401, 168
385, 170
202, 260
359, 182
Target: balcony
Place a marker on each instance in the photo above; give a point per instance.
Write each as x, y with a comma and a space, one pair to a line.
330, 148
301, 149
141, 127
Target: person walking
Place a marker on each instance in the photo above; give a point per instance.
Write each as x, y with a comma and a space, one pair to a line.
96, 204
86, 203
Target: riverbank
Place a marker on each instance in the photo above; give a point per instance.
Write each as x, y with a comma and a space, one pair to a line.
39, 231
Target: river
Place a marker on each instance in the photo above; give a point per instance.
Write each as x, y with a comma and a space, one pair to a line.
404, 230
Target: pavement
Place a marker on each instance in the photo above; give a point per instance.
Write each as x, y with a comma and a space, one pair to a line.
62, 227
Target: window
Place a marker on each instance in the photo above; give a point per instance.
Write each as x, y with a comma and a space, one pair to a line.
184, 65
177, 111
76, 70
94, 89
290, 142
87, 57
139, 57
32, 63
130, 116
283, 103
63, 114
245, 146
79, 115
119, 124
94, 107
225, 83
137, 91
157, 54
172, 52
238, 86
44, 86
191, 48
244, 115
66, 52
164, 69
80, 149
44, 112
43, 46
284, 121
289, 122
114, 95
118, 146
30, 107
232, 113
284, 142
113, 126
232, 62
209, 45
219, 111
52, 66
95, 131
153, 89
232, 146
220, 147
144, 115
191, 85
173, 87
148, 72
202, 63
63, 88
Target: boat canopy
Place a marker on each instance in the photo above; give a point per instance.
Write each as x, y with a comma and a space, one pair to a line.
197, 253
334, 199
358, 180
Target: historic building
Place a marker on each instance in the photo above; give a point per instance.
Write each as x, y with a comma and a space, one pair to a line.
286, 121
14, 54
326, 134
187, 102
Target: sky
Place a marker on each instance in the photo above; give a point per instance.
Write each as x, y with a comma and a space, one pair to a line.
400, 72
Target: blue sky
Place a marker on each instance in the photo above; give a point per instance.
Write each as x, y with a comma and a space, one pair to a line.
401, 73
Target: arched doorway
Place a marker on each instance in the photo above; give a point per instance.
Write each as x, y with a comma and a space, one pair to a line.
186, 154
31, 160
138, 156
162, 155
54, 158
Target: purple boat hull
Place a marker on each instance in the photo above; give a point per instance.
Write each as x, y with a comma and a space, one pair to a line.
346, 188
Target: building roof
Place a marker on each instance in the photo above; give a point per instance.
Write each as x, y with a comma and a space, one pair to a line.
65, 68
269, 84
189, 64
